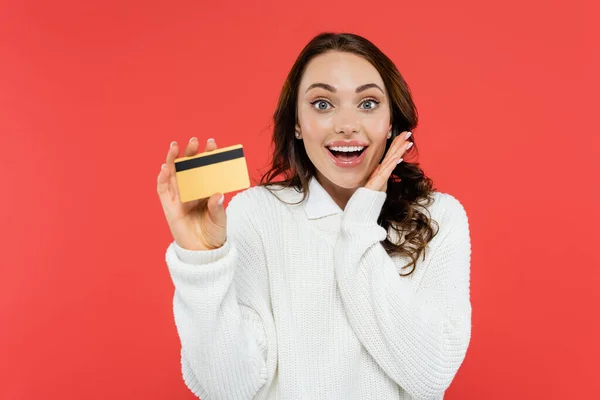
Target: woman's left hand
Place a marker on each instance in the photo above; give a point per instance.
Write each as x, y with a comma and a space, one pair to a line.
379, 177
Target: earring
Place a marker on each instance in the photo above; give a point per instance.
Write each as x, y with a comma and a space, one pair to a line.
389, 134
297, 135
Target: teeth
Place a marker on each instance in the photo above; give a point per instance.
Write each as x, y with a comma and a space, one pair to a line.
346, 148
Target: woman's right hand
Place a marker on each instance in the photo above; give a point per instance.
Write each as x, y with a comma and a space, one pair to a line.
197, 224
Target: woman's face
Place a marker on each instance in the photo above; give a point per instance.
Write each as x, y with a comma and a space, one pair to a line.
343, 117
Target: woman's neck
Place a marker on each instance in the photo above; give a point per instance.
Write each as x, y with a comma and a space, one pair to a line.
339, 194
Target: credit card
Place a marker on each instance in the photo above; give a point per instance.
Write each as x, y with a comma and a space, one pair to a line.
219, 171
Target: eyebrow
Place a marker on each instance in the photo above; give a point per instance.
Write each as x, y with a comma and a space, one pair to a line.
330, 88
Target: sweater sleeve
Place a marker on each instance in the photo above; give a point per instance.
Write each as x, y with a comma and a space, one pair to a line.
418, 335
222, 312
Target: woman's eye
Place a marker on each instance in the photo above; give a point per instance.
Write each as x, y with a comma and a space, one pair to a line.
372, 106
321, 104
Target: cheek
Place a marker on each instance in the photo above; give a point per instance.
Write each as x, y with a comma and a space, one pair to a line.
312, 122
313, 144
377, 128
315, 129
379, 153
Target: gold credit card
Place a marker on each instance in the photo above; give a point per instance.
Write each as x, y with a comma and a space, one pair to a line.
218, 171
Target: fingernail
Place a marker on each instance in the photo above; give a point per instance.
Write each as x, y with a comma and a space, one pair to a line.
410, 144
220, 202
210, 140
173, 143
163, 166
400, 160
192, 139
408, 134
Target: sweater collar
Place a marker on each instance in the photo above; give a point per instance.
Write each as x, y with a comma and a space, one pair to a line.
319, 203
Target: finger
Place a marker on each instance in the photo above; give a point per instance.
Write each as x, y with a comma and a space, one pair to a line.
393, 149
397, 151
162, 184
377, 179
172, 154
396, 157
376, 170
173, 187
217, 210
192, 148
402, 140
403, 149
396, 143
382, 173
162, 187
210, 145
407, 145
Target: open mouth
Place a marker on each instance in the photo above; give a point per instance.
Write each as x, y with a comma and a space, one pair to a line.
348, 153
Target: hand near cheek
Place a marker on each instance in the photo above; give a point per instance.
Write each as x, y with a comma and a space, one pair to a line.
379, 177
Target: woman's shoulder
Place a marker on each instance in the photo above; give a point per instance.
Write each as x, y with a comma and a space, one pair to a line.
446, 208
446, 201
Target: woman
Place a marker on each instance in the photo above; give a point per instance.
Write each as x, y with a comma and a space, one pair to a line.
319, 285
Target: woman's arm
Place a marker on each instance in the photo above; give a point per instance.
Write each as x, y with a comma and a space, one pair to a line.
222, 311
419, 336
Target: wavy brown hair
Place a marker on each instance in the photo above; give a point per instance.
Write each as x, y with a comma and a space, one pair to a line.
407, 186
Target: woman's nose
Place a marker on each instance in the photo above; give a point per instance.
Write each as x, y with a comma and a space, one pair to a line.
346, 121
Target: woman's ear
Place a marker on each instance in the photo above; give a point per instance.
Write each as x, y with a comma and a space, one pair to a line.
298, 132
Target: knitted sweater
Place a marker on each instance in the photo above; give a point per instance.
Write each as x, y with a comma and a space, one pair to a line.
303, 302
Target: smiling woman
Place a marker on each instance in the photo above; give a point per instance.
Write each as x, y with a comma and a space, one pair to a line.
347, 102
298, 290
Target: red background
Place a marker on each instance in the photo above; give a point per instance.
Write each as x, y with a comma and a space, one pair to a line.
91, 94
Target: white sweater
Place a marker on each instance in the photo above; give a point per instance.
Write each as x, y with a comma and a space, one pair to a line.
303, 302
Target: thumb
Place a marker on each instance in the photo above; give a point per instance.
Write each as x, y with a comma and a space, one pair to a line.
216, 209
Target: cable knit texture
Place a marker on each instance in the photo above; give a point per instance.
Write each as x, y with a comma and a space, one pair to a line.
299, 308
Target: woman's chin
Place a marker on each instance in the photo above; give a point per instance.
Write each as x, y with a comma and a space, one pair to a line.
348, 182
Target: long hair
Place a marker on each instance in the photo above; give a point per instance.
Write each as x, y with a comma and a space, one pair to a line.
407, 186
